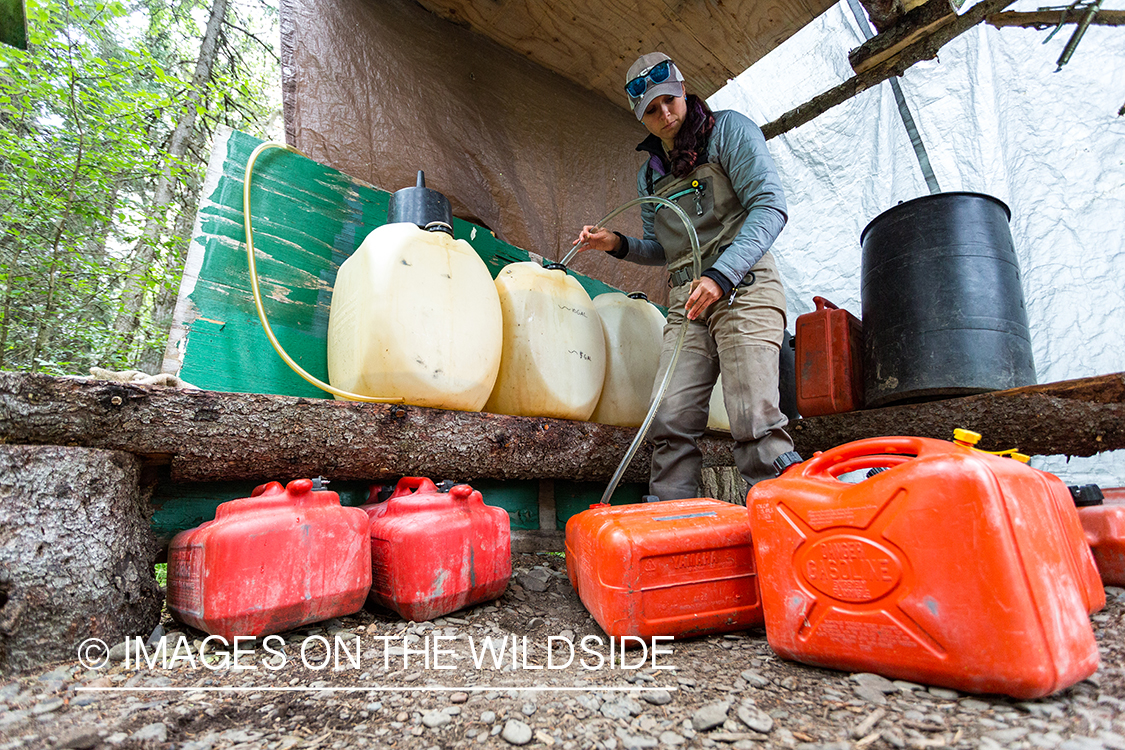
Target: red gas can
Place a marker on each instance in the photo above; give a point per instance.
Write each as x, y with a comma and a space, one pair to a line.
954, 568
274, 561
829, 360
1104, 525
434, 552
678, 568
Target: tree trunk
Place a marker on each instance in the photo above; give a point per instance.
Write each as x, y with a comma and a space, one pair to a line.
152, 356
6, 311
43, 332
133, 295
77, 558
95, 246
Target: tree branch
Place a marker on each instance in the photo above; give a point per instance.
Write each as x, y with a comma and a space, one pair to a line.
1042, 19
265, 46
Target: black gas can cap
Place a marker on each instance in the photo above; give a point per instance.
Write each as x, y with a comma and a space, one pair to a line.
785, 460
1086, 495
419, 205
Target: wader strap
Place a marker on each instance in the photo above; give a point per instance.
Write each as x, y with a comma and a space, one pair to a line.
683, 275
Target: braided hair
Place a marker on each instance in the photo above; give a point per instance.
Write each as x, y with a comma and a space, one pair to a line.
690, 143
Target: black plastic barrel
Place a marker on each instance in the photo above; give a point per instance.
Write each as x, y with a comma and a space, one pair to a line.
943, 310
787, 377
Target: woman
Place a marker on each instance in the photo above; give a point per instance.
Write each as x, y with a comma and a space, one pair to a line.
716, 167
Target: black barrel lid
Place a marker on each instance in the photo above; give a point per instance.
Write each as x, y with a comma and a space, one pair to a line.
419, 205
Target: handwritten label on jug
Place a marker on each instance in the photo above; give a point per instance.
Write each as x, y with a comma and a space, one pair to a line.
574, 310
850, 568
580, 355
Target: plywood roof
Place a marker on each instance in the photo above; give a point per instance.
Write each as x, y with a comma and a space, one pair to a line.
593, 42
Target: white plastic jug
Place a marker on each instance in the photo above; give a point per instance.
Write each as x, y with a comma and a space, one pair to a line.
634, 330
717, 418
415, 314
553, 363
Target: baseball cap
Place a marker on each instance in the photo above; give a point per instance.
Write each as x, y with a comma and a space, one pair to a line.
652, 80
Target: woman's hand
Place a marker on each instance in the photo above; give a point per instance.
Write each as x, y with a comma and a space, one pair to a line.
597, 238
704, 292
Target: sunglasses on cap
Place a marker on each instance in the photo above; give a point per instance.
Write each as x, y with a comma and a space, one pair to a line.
658, 73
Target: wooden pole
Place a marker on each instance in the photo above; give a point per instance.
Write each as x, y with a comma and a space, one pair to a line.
1042, 19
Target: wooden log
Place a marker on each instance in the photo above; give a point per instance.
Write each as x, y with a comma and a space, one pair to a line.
1074, 418
917, 24
923, 49
213, 436
77, 555
210, 436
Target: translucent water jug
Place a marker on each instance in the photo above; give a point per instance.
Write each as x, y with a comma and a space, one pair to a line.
717, 418
553, 363
634, 329
415, 315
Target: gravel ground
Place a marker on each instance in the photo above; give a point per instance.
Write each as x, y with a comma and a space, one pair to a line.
715, 692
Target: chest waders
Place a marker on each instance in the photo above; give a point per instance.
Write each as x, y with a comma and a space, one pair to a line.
707, 197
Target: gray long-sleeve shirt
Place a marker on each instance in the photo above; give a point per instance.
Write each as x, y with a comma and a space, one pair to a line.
737, 144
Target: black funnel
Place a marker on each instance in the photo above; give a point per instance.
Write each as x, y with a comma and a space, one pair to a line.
419, 205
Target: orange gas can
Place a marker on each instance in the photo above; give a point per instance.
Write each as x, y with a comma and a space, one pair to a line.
435, 552
279, 559
829, 360
953, 567
678, 568
1104, 524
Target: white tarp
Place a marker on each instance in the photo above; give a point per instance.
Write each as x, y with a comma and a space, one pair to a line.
995, 118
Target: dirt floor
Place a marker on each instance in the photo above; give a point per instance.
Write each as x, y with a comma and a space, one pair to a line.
717, 691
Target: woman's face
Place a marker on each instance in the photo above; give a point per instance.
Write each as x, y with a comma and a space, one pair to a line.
664, 116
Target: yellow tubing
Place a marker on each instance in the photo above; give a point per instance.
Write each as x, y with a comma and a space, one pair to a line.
258, 294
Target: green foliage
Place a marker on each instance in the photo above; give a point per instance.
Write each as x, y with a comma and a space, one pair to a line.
86, 117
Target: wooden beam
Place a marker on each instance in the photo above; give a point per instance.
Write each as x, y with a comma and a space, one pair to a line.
919, 23
922, 49
1074, 418
1043, 19
211, 436
593, 42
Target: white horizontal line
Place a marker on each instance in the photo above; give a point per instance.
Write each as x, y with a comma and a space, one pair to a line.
377, 689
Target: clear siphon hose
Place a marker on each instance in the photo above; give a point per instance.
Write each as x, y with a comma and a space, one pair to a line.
696, 272
313, 380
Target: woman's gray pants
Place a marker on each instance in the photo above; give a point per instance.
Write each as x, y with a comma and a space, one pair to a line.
743, 342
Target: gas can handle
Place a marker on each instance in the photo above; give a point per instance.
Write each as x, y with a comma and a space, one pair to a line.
879, 460
413, 485
823, 304
823, 465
